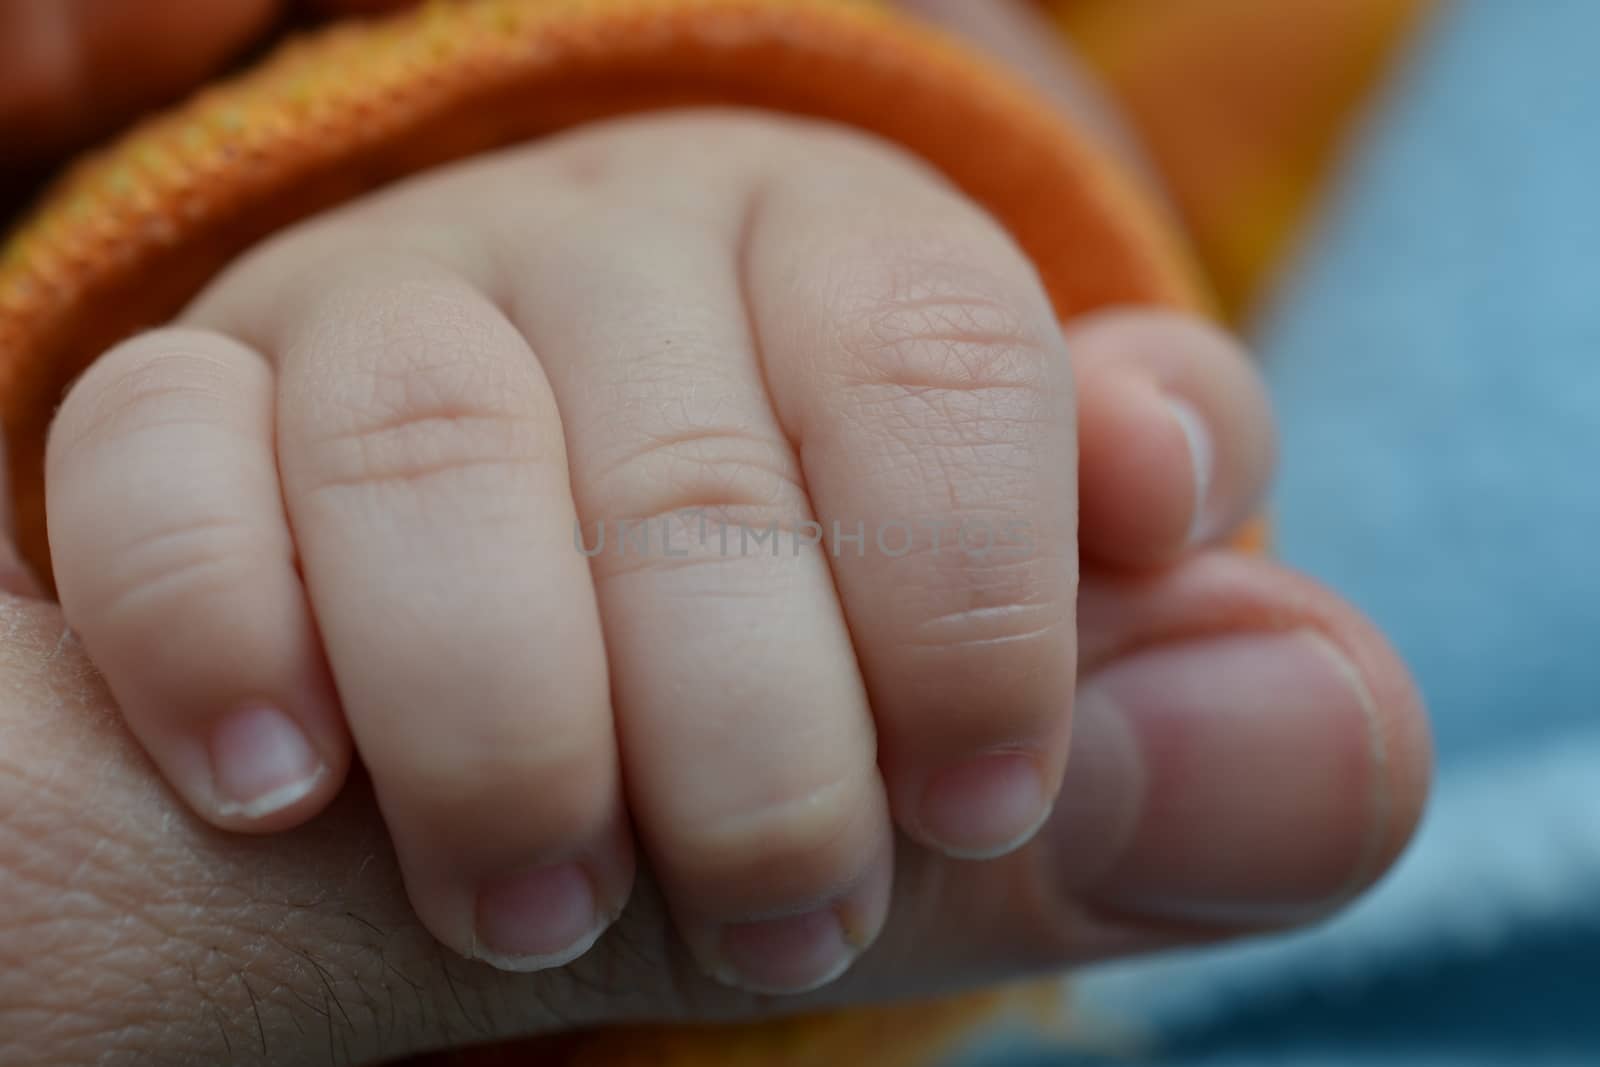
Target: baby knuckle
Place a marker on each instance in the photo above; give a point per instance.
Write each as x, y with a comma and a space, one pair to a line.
420, 345
998, 638
149, 382
424, 447
201, 561
485, 775
937, 326
420, 399
1011, 603
1015, 627
692, 488
804, 842
1011, 659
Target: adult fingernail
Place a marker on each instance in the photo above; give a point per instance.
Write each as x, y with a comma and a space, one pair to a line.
984, 807
538, 917
1247, 775
262, 763
1202, 462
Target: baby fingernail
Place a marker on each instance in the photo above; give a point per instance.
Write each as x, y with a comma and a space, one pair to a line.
536, 918
793, 954
986, 807
1202, 459
262, 762
807, 948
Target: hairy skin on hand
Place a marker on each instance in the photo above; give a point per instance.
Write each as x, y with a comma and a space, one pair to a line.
132, 933
122, 917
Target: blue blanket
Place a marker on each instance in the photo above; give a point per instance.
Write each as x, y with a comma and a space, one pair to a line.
1436, 360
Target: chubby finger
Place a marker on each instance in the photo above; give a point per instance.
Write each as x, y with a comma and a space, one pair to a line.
747, 740
1175, 435
915, 357
426, 482
175, 566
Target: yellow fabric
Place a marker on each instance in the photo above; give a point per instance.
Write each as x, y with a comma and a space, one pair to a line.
1244, 106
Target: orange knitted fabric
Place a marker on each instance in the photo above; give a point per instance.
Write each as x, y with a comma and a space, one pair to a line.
130, 236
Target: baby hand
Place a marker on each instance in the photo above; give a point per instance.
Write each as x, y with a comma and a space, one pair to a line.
723, 463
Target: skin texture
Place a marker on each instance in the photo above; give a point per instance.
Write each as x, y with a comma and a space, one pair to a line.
445, 389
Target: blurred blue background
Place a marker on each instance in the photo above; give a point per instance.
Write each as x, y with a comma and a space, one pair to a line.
1436, 360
